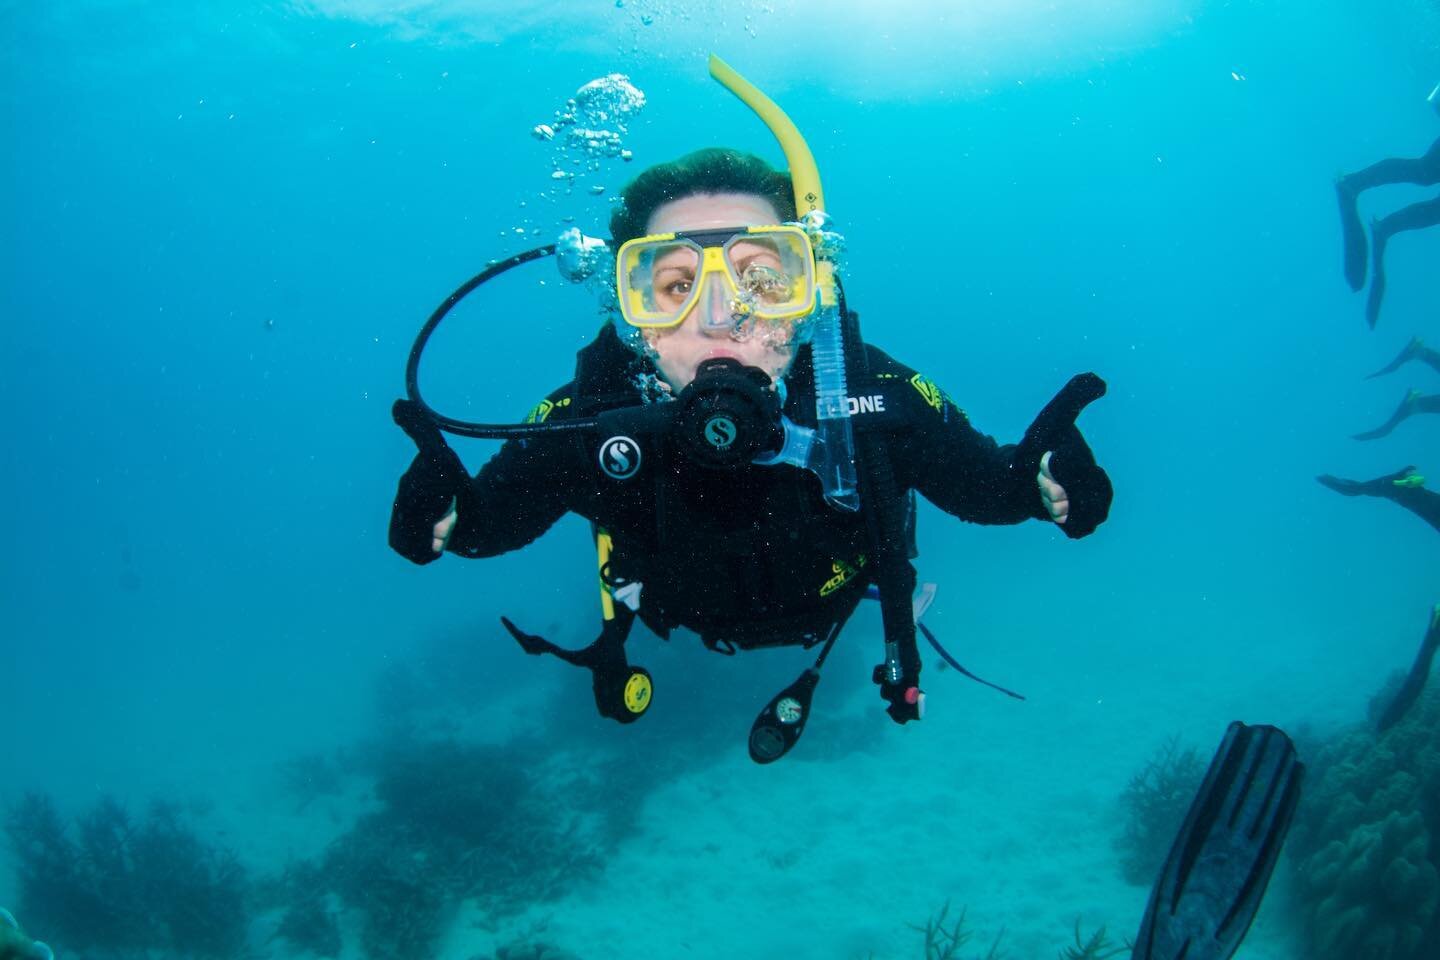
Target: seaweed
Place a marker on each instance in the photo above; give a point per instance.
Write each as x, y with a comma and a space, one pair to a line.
1154, 804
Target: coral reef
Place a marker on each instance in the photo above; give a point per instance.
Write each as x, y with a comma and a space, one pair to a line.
308, 777
456, 821
1367, 860
124, 886
308, 923
1154, 805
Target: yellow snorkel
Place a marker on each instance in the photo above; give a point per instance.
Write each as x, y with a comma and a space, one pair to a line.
803, 172
835, 462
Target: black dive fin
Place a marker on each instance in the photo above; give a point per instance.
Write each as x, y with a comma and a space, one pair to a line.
1415, 680
1411, 351
1221, 861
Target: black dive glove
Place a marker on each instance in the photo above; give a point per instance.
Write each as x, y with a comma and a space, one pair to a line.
1073, 466
1071, 462
428, 489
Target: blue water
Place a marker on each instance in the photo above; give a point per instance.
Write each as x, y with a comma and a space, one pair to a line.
223, 224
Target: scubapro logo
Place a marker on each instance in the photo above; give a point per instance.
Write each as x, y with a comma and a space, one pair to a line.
620, 458
720, 432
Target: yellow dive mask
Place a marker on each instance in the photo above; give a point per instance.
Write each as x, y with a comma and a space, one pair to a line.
759, 272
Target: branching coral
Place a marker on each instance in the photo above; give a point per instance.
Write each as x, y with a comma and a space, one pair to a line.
1154, 805
458, 821
944, 942
126, 886
1365, 846
1096, 947
308, 922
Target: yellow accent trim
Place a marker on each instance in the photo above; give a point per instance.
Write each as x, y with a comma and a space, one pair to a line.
926, 388
542, 410
844, 573
603, 544
825, 283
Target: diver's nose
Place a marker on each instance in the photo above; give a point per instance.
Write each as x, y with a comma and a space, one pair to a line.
714, 308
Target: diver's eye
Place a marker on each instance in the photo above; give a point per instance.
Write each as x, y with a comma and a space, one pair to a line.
678, 289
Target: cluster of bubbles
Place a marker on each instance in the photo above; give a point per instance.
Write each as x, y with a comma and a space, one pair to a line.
588, 260
829, 245
585, 133
828, 242
590, 128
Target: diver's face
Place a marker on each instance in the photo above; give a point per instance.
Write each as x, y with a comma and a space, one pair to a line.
706, 331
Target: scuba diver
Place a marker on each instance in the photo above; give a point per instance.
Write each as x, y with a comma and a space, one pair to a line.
1405, 487
1413, 402
746, 461
1422, 171
1414, 350
15, 945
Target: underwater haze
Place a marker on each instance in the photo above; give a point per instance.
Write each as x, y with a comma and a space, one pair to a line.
224, 224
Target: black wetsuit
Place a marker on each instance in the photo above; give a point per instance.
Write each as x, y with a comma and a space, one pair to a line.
749, 556
1414, 683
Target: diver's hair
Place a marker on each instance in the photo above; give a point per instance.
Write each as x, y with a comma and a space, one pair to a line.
712, 170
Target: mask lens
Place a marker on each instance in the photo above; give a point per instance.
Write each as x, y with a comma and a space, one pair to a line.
773, 273
657, 281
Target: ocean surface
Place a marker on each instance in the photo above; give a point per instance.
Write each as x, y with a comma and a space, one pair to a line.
223, 224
